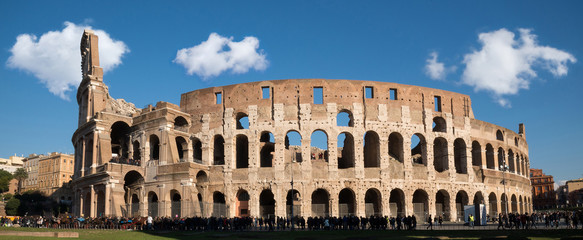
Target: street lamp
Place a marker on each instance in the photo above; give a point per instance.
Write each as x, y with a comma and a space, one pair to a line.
504, 168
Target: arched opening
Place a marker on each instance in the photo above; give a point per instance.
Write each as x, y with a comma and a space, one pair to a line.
371, 150
346, 203
490, 157
320, 203
267, 149
516, 141
476, 154
478, 198
89, 153
182, 148
439, 124
293, 199
344, 119
175, 205
396, 147
460, 156
511, 163
120, 140
345, 151
442, 205
201, 178
242, 121
502, 158
152, 204
461, 200
242, 203
499, 136
242, 151
137, 156
420, 204
493, 201
319, 146
440, 154
293, 146
518, 164
87, 205
418, 149
373, 203
504, 203
520, 205
100, 205
514, 204
266, 204
219, 205
197, 150
397, 203
133, 180
218, 150
181, 124
154, 147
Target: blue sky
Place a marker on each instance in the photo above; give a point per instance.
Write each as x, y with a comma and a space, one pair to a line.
390, 41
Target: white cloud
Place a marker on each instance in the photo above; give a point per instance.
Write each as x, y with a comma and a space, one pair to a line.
55, 58
436, 70
504, 65
210, 59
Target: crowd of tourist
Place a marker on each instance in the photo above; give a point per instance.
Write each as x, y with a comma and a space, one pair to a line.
571, 219
124, 160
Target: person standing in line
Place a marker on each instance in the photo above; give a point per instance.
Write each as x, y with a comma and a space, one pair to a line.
149, 222
430, 221
471, 220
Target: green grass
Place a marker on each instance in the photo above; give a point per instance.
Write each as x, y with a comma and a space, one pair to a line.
313, 235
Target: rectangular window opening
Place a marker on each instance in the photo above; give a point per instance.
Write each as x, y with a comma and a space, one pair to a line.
369, 92
265, 92
393, 94
318, 95
437, 103
219, 97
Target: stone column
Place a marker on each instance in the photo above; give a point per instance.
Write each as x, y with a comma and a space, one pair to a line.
107, 200
79, 207
93, 207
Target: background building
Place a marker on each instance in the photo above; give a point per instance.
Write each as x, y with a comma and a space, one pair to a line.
543, 189
11, 164
575, 192
50, 174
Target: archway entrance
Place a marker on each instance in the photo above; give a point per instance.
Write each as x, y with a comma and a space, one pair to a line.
346, 203
397, 203
266, 204
320, 203
373, 203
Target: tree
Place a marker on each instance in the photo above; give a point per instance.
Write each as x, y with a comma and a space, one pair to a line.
12, 207
20, 174
5, 178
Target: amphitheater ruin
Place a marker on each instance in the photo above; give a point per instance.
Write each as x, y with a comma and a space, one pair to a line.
348, 148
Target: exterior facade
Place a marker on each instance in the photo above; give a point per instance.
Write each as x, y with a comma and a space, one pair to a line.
312, 146
50, 174
11, 164
543, 189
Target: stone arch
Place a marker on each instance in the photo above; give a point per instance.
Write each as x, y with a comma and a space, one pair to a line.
490, 163
371, 150
175, 203
137, 155
181, 124
242, 147
152, 204
201, 178
219, 204
418, 149
439, 124
396, 146
520, 205
511, 163
88, 153
493, 204
196, 150
499, 135
319, 147
476, 154
345, 150
373, 203
461, 200
346, 203
218, 150
120, 140
293, 198
266, 203
442, 204
460, 156
154, 147
134, 205
479, 198
320, 203
514, 204
344, 118
516, 141
100, 205
242, 203
242, 120
502, 158
182, 148
132, 181
440, 154
420, 204
397, 202
267, 143
293, 146
504, 203
87, 205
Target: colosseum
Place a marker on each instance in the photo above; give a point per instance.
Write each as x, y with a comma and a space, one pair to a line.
312, 146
